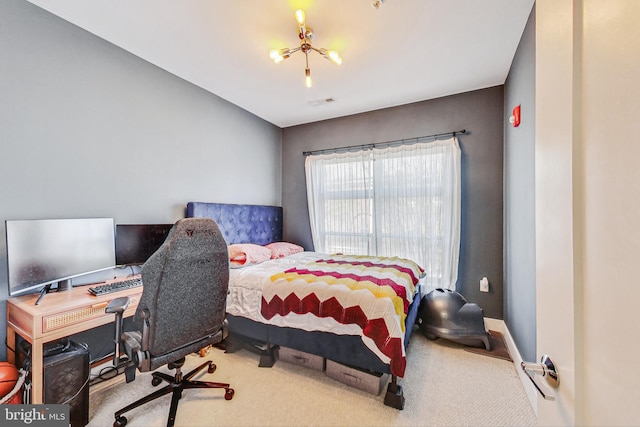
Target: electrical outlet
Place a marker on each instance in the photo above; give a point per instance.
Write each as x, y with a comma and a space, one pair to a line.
484, 285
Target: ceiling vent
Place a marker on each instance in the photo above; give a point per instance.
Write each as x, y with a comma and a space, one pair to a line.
319, 102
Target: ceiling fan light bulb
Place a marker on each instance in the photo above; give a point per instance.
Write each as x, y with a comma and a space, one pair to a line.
334, 56
275, 55
279, 55
300, 17
307, 77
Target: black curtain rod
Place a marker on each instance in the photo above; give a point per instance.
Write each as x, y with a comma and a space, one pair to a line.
384, 144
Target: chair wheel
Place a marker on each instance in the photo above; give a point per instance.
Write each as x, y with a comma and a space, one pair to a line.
212, 368
155, 381
121, 421
228, 393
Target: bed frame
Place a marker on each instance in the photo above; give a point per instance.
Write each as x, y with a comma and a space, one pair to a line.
262, 225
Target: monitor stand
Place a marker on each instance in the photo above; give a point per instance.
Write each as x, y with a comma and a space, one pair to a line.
63, 285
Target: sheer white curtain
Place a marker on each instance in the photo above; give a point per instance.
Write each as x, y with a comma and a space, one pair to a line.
395, 201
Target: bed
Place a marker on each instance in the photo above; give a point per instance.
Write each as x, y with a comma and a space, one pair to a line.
280, 303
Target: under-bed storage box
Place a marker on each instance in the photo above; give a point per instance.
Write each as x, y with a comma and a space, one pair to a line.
301, 358
371, 382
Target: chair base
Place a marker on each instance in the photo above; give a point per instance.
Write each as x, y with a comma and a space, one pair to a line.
176, 385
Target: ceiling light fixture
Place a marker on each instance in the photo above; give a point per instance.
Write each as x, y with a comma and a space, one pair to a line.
377, 3
305, 34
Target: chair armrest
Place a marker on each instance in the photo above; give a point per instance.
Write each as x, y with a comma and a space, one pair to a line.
144, 340
118, 305
131, 344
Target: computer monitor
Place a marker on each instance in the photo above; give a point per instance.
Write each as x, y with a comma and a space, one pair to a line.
135, 243
45, 252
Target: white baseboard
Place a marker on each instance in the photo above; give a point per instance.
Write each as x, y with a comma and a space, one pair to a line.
499, 326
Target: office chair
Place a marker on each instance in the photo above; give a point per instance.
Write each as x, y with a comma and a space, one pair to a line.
181, 310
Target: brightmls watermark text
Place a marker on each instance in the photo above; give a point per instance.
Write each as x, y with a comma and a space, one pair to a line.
35, 415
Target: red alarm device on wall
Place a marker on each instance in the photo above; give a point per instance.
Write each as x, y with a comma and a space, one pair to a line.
515, 116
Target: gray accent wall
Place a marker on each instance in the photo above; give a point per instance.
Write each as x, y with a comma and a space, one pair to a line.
481, 114
519, 198
88, 129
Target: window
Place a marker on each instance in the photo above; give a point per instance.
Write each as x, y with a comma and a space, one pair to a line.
395, 201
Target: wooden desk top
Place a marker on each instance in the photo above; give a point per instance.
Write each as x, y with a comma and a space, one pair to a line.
65, 313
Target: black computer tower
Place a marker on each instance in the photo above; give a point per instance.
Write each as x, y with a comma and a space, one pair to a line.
65, 376
66, 380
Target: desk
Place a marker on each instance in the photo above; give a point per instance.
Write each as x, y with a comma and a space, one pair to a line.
59, 315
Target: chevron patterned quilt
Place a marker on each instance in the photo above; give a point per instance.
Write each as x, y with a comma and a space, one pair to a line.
357, 295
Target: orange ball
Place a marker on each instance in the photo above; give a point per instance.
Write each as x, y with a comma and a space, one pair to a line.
8, 377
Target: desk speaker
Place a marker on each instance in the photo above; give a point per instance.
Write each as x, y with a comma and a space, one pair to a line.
66, 380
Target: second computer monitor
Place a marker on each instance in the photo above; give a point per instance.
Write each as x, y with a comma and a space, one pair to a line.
135, 243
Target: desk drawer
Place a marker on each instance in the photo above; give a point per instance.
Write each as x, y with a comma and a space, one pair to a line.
73, 317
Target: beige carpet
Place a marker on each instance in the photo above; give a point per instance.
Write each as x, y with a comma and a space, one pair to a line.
445, 386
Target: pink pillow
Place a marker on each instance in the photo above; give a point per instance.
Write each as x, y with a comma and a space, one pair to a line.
283, 249
241, 254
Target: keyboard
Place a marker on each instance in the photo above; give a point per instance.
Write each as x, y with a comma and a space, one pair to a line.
108, 288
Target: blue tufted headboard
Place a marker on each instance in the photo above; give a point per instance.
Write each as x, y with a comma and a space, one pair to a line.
242, 223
